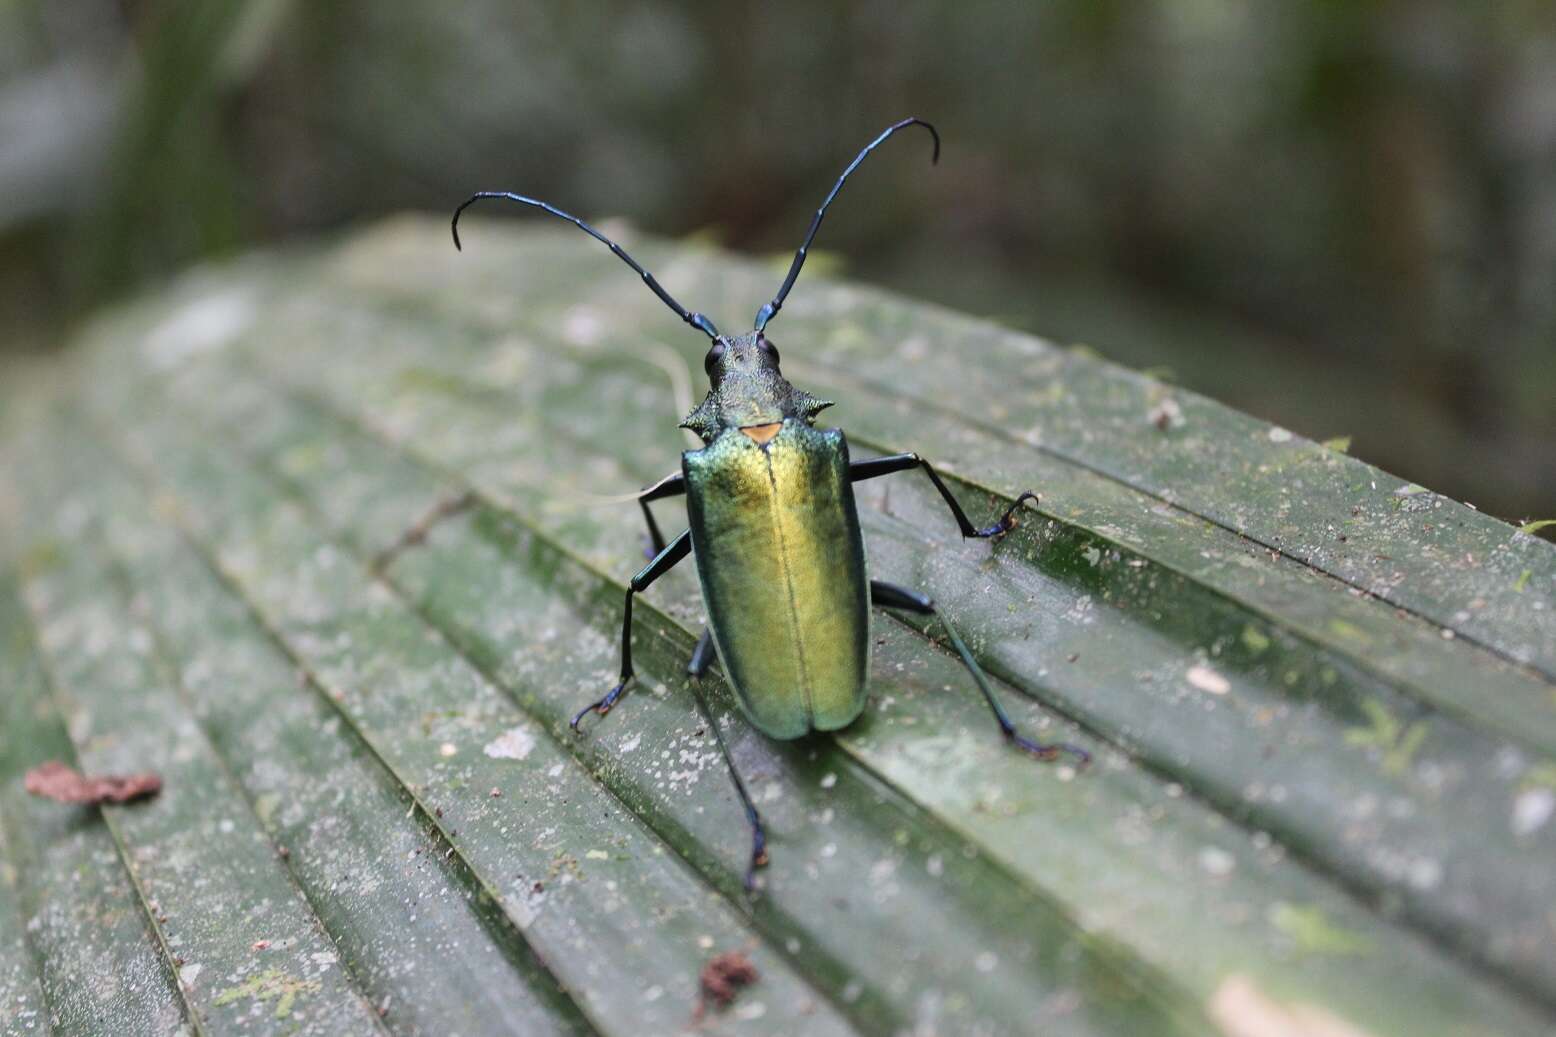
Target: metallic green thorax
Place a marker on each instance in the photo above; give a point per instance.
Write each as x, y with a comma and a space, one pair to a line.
778, 546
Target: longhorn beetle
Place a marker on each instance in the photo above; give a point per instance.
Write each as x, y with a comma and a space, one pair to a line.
770, 505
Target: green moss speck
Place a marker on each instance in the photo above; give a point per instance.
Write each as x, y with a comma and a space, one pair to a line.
1313, 931
271, 985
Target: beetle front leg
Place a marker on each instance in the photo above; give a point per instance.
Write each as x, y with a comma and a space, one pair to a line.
888, 595
670, 486
663, 562
858, 471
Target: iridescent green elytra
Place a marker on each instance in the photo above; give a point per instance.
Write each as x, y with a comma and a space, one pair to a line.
772, 521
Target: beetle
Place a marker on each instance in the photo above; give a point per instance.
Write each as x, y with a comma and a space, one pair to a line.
775, 531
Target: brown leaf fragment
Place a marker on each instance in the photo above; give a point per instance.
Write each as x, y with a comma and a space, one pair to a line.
57, 781
723, 977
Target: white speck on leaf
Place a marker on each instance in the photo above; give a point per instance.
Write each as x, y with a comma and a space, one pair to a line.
1425, 873
514, 744
1279, 435
207, 323
1241, 1009
828, 780
1216, 861
1531, 809
1206, 679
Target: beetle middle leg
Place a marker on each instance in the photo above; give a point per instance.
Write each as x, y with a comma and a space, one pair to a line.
663, 562
858, 471
888, 595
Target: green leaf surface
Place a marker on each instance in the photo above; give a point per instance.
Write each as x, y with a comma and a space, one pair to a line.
82, 923
198, 843
1320, 797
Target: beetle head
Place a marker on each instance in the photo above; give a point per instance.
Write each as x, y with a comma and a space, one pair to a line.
746, 389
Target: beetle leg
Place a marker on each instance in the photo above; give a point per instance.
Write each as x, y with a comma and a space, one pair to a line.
670, 486
417, 533
663, 562
702, 658
702, 655
858, 471
891, 596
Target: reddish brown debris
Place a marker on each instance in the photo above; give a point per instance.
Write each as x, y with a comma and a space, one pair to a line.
723, 977
54, 780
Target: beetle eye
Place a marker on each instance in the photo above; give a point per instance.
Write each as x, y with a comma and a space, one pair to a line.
715, 354
767, 347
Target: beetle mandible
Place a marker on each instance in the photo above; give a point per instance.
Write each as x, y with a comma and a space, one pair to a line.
773, 526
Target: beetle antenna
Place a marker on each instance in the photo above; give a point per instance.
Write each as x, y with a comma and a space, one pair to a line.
770, 311
696, 320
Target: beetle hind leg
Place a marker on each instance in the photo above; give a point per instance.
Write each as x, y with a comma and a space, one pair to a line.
891, 596
704, 654
701, 660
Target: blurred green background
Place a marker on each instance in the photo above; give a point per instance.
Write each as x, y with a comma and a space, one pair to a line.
1339, 216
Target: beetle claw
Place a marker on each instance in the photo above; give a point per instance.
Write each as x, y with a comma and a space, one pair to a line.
1049, 753
1009, 520
758, 859
602, 706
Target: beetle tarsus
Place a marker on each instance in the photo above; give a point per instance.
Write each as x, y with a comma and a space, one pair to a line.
600, 706
1008, 521
1048, 753
758, 856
